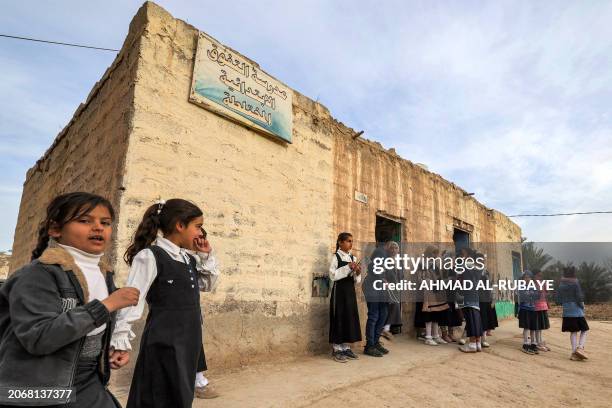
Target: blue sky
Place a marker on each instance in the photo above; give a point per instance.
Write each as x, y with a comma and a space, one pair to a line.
510, 100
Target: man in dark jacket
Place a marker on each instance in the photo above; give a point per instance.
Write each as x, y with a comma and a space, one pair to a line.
377, 299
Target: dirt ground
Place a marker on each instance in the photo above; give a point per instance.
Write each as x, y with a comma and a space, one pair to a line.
413, 374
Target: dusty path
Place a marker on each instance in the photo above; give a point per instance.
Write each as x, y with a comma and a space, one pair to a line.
417, 375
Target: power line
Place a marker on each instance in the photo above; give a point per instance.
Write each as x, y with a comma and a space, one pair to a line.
560, 214
57, 43
114, 50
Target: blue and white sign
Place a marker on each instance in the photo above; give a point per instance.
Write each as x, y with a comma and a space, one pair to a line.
231, 85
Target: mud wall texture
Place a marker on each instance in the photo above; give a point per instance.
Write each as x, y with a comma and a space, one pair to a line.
428, 207
267, 205
5, 260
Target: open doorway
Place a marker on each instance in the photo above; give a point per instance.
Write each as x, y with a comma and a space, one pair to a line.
387, 230
391, 230
461, 239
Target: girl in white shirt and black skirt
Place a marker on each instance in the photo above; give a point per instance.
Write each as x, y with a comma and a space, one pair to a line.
344, 325
167, 276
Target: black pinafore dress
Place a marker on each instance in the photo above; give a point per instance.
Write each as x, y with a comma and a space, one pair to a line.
344, 324
165, 371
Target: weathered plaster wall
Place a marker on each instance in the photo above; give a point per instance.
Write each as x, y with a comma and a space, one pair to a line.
5, 260
267, 205
426, 204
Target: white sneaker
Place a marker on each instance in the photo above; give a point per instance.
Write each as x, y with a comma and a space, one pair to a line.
430, 342
468, 348
461, 342
478, 347
440, 340
485, 344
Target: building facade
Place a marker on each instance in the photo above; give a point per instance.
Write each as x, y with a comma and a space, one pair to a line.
272, 208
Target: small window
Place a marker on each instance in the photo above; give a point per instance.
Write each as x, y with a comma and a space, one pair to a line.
320, 286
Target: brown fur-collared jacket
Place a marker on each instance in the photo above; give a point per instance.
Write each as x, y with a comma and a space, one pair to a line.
44, 319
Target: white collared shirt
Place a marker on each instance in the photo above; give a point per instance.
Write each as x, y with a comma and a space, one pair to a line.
142, 275
336, 273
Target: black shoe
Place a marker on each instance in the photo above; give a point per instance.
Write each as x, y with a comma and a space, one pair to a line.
349, 354
527, 349
372, 351
380, 348
339, 356
534, 349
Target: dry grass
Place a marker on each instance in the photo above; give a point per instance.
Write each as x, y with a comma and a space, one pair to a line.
597, 311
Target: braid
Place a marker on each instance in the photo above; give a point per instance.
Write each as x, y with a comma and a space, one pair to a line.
43, 240
145, 234
161, 216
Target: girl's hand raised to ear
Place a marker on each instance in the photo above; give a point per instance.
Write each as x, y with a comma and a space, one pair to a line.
202, 245
121, 298
118, 358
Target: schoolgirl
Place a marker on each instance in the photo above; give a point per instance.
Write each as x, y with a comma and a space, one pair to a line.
541, 310
527, 316
468, 301
57, 313
344, 327
167, 276
435, 306
571, 297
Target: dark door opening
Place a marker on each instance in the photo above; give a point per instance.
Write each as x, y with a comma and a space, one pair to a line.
387, 230
390, 230
461, 239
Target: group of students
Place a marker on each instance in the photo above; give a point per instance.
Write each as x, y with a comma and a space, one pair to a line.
531, 309
64, 325
440, 314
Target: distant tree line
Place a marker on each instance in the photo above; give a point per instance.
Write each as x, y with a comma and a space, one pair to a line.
595, 279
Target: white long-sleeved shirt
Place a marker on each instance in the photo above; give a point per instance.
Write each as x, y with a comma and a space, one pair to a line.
142, 275
96, 282
336, 273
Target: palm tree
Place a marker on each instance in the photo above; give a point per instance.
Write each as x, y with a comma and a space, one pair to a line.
608, 264
534, 257
554, 272
596, 282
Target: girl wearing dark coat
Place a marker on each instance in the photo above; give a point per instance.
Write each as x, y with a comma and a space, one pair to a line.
57, 313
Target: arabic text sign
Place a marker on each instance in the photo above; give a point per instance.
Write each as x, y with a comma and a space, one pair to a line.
230, 85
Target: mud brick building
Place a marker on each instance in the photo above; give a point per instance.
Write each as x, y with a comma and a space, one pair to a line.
277, 179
